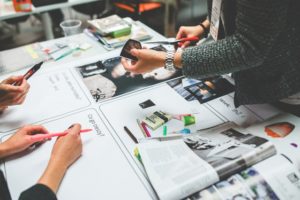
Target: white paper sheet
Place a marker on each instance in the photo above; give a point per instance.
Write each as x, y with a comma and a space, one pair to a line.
102, 172
51, 94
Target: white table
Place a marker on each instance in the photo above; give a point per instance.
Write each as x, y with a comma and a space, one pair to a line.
7, 12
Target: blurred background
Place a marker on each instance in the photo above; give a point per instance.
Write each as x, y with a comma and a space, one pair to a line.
164, 16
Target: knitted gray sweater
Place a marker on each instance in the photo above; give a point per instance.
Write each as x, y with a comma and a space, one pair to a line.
261, 47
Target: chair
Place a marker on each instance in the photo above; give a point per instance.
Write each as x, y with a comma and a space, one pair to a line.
137, 7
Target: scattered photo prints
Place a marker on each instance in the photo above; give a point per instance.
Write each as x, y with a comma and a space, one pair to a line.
108, 78
202, 90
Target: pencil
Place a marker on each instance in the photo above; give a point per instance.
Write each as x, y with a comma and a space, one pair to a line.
130, 134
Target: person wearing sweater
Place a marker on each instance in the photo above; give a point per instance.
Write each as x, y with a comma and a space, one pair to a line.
257, 41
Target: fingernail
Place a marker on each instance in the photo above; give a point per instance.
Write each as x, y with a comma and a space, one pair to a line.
71, 126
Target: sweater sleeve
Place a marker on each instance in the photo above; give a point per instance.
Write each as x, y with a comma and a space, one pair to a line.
258, 25
38, 191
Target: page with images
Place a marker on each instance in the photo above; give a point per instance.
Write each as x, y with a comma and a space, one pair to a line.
174, 171
273, 179
125, 110
217, 94
108, 78
283, 131
51, 94
229, 148
101, 172
176, 168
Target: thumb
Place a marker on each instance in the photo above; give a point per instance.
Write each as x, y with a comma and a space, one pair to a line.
135, 52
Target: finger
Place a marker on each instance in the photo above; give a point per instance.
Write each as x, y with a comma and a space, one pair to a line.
180, 33
135, 52
34, 129
12, 79
186, 44
126, 65
11, 88
75, 130
24, 86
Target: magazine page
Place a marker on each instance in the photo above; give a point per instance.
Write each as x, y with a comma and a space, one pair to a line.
174, 171
229, 148
262, 181
283, 132
217, 153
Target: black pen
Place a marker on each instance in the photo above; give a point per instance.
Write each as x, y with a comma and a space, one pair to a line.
130, 135
29, 73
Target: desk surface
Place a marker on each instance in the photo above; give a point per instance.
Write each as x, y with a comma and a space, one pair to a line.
60, 95
7, 11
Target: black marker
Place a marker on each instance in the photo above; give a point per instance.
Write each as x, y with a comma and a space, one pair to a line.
29, 73
130, 135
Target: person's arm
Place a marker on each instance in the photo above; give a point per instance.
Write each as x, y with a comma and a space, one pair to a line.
66, 150
258, 24
20, 141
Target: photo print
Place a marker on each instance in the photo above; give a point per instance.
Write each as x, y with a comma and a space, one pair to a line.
108, 78
225, 150
203, 90
246, 185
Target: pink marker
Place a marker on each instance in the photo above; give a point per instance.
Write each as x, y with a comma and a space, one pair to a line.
39, 137
145, 129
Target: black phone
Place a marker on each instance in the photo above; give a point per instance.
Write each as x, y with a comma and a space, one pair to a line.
130, 44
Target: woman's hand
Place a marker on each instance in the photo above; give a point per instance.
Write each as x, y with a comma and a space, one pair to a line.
66, 150
21, 140
13, 95
189, 31
148, 60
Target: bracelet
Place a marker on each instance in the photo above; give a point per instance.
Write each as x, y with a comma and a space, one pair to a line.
204, 29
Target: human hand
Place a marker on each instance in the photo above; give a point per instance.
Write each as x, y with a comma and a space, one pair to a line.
189, 31
148, 60
13, 95
67, 149
21, 140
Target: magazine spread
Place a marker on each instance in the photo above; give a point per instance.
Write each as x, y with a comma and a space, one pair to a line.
217, 153
262, 181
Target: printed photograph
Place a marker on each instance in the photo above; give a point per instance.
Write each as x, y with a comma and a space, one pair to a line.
108, 78
279, 129
247, 185
223, 150
202, 90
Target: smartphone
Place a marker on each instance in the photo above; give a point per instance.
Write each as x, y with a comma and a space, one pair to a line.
130, 44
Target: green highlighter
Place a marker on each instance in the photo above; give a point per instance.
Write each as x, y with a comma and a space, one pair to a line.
121, 32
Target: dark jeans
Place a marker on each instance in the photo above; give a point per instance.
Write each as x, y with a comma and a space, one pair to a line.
289, 108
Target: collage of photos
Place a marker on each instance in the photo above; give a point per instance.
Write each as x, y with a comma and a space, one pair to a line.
202, 90
247, 185
226, 150
108, 78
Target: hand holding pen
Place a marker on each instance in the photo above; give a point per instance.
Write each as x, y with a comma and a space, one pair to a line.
13, 90
13, 94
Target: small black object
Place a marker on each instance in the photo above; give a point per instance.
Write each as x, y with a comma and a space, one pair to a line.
130, 44
147, 104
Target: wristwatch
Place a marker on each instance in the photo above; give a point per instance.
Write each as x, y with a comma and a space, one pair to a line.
169, 62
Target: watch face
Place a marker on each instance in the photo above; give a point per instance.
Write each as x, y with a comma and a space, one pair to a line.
130, 44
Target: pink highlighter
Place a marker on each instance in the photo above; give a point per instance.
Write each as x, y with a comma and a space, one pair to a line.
39, 137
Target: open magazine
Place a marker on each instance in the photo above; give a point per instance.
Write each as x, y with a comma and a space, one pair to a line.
274, 179
178, 168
